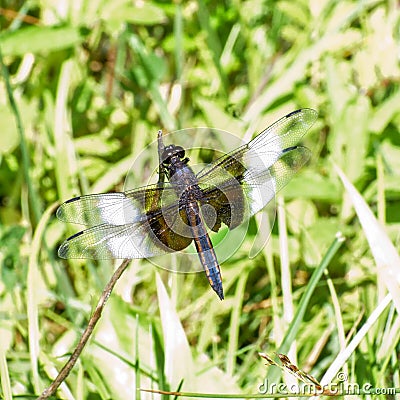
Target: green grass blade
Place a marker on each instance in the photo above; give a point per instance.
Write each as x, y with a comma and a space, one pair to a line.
33, 196
302, 307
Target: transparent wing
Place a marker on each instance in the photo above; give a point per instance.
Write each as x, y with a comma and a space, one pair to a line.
139, 223
241, 183
117, 208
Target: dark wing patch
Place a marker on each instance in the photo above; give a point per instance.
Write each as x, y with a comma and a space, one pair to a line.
148, 237
140, 223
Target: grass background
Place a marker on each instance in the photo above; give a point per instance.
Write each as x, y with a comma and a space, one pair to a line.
93, 81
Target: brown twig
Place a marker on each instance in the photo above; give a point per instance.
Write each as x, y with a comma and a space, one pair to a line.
66, 369
11, 14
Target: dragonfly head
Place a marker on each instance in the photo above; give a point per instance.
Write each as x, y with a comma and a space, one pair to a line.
172, 154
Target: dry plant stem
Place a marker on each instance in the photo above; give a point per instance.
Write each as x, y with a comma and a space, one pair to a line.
12, 15
86, 334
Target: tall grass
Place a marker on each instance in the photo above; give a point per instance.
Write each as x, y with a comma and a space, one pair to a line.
85, 87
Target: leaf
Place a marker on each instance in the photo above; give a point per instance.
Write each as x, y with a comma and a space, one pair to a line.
355, 129
346, 41
308, 184
143, 14
199, 376
118, 333
295, 11
96, 145
34, 39
10, 239
385, 254
302, 213
9, 138
339, 93
94, 167
178, 357
151, 66
348, 140
391, 155
384, 113
116, 14
318, 238
215, 115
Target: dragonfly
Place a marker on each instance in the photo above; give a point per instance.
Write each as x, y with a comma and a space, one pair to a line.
183, 206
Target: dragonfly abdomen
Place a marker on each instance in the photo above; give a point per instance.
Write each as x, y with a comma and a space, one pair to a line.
205, 248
